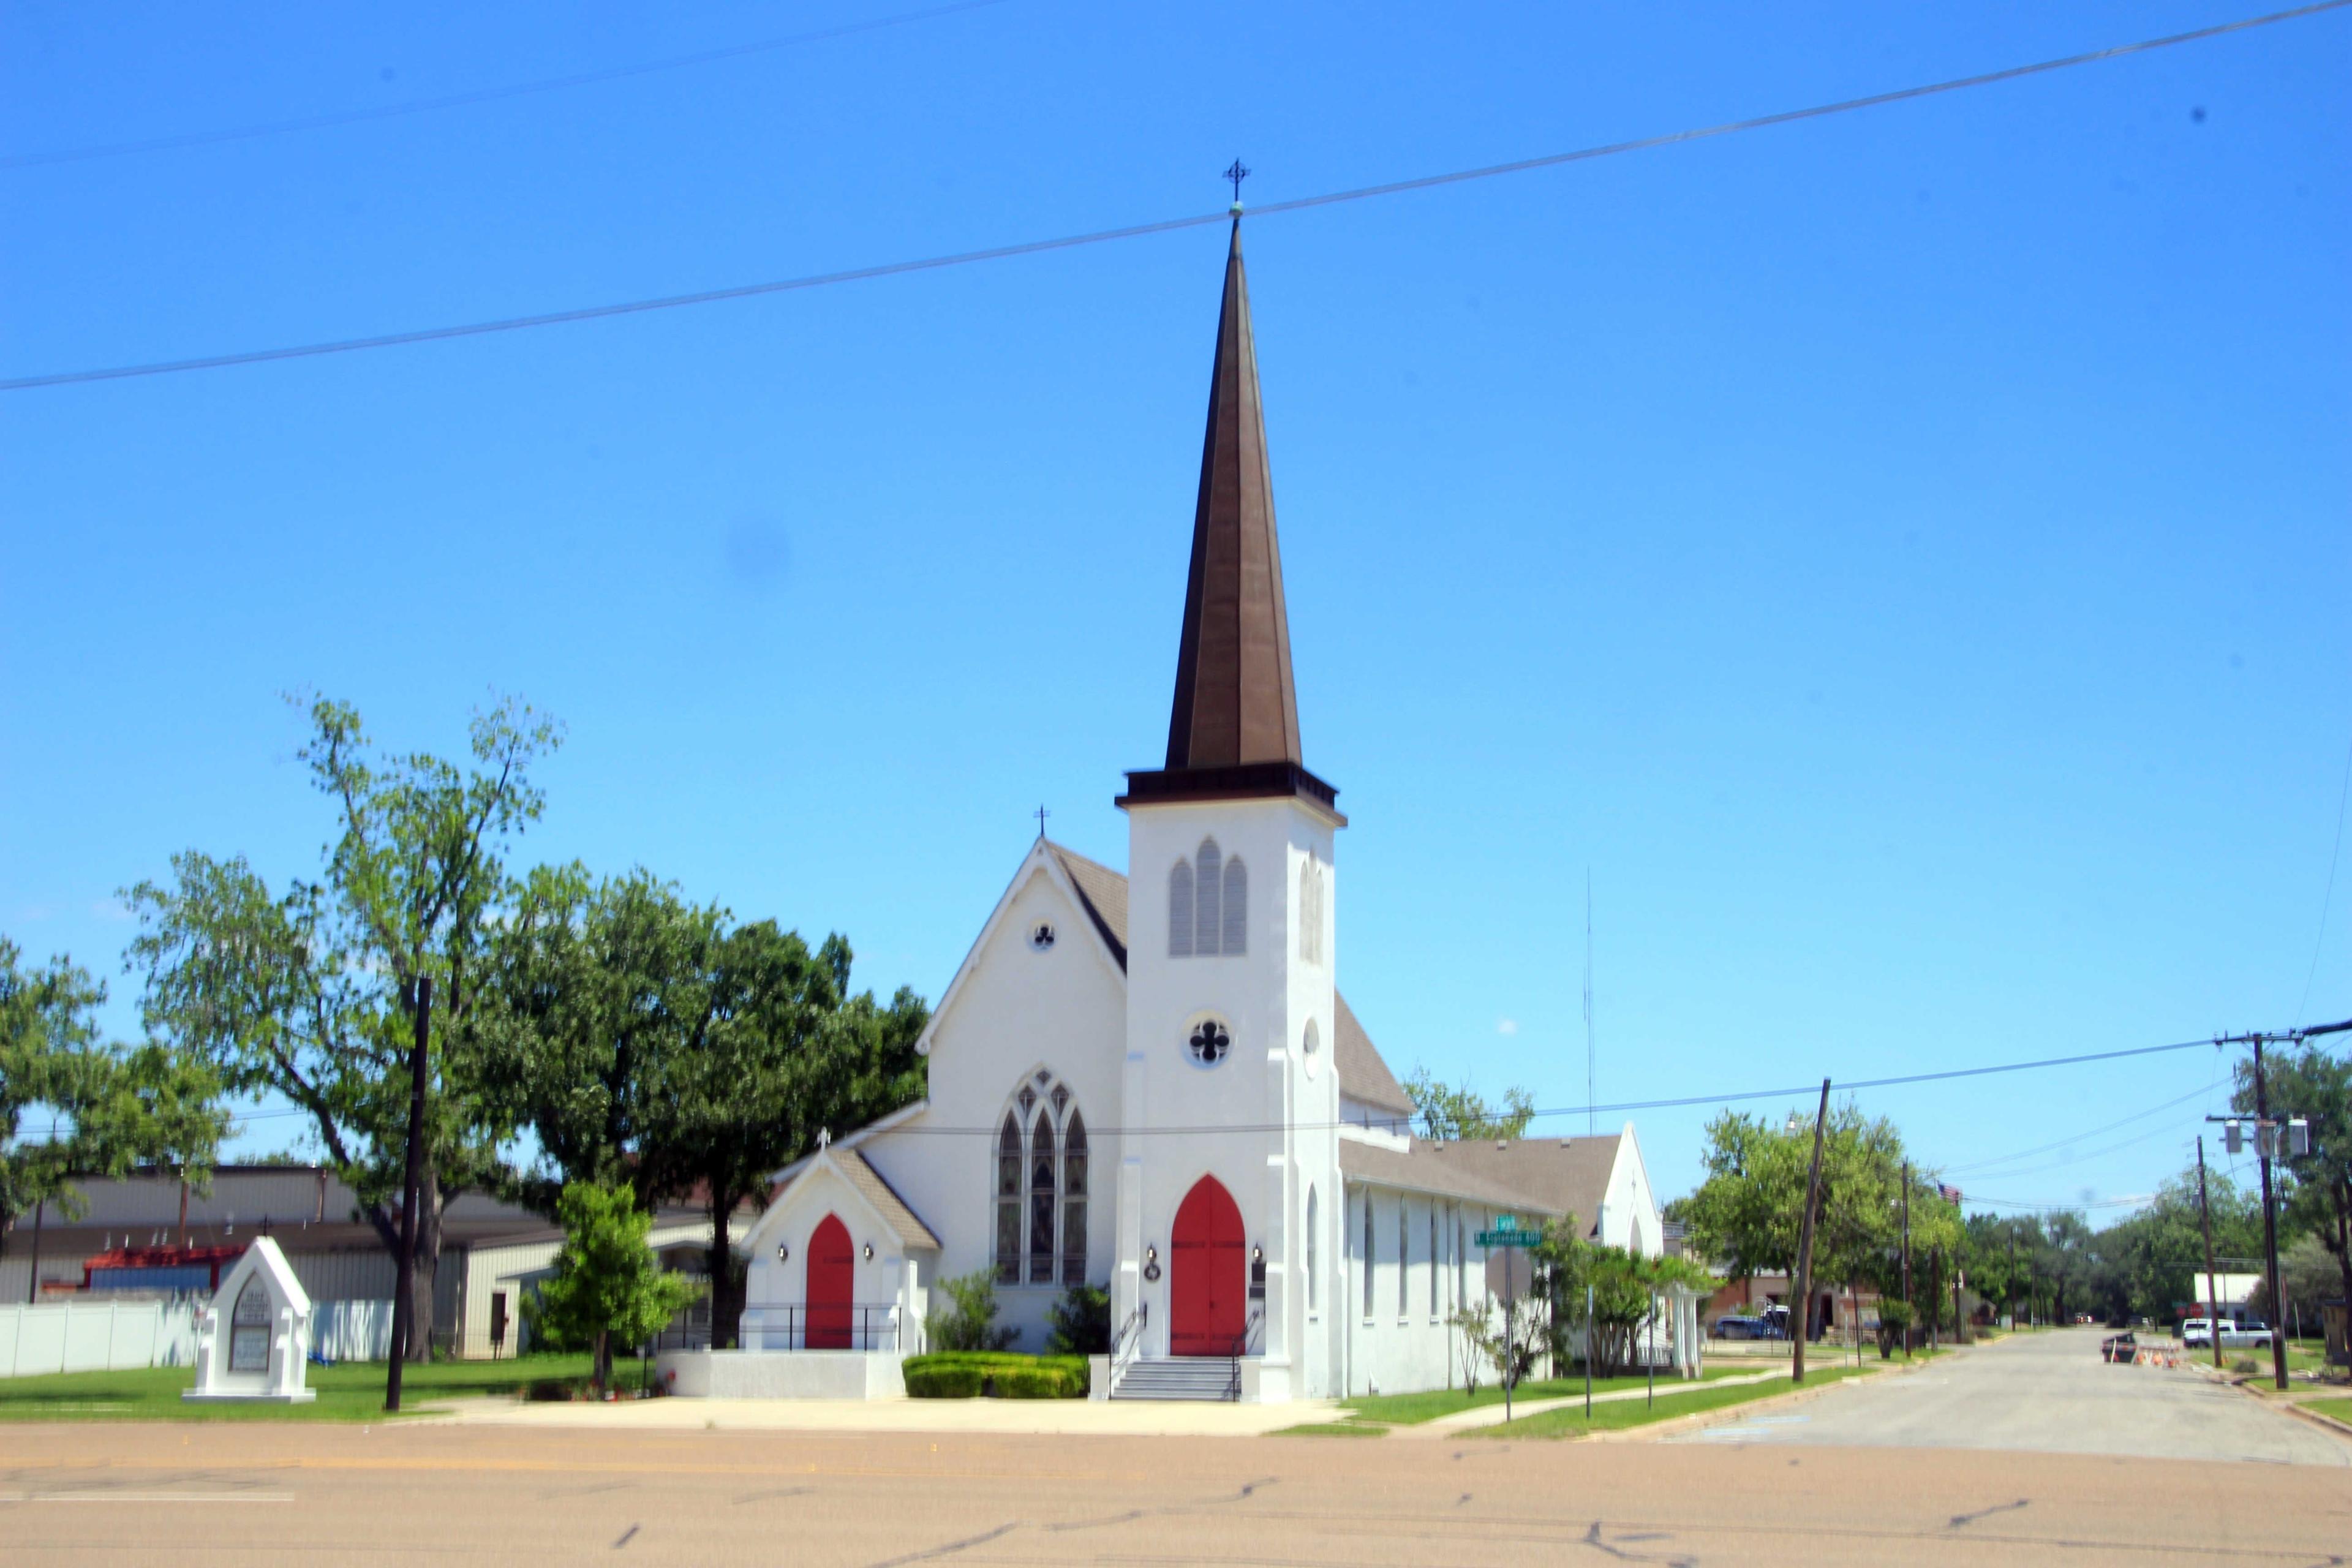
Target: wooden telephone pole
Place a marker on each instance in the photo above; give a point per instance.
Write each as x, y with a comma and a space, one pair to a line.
403, 1297
1802, 1317
2212, 1297
1906, 1256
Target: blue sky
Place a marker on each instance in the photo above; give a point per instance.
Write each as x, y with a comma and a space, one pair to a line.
1902, 556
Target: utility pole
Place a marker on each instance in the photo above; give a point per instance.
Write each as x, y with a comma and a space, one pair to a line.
2212, 1296
33, 1280
404, 1303
1906, 1256
2265, 1141
2012, 1276
1803, 1316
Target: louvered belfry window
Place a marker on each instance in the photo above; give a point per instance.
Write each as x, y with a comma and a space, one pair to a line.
1208, 905
1041, 1186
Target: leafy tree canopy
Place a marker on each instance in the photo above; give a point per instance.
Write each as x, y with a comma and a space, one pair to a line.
1449, 1112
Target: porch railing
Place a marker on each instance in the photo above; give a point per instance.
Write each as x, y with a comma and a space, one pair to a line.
1128, 1341
855, 1326
1241, 1349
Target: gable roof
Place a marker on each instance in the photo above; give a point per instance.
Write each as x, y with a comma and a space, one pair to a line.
1423, 1168
1564, 1175
876, 1189
1364, 1074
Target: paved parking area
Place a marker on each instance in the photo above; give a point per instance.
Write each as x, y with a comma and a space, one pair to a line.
2045, 1393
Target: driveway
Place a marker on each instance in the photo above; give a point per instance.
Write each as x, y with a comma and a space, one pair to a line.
2048, 1393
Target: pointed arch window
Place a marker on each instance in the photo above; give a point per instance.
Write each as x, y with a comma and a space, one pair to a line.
1208, 905
1208, 876
1370, 1245
1310, 910
1404, 1255
1313, 1252
1433, 1255
1180, 910
1236, 932
1041, 1186
1008, 1200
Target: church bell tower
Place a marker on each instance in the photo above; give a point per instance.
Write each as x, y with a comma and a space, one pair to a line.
1229, 1187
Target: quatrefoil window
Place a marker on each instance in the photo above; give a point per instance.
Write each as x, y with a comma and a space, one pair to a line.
1210, 1042
1041, 935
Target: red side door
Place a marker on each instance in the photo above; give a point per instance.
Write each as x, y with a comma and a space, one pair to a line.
1208, 1279
832, 1279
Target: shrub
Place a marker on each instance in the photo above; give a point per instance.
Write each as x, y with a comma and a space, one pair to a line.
970, 1322
998, 1375
1081, 1322
943, 1382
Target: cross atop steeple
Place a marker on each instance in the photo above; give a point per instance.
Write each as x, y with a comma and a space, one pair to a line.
1237, 173
1041, 813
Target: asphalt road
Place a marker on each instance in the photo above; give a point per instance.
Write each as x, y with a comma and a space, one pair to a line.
2048, 1394
312, 1494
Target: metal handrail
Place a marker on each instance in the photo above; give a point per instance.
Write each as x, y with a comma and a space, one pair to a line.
786, 1326
1241, 1348
1128, 1341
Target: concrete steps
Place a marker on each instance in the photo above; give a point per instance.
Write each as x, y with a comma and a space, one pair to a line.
1207, 1378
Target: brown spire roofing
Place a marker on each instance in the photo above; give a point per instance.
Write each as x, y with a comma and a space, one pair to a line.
1233, 730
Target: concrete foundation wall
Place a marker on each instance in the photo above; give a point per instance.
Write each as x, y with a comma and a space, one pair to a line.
796, 1374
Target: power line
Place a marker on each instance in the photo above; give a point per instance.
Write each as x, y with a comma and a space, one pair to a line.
1163, 226
1982, 1165
480, 95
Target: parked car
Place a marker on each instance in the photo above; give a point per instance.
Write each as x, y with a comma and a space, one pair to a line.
1738, 1326
2120, 1348
2197, 1332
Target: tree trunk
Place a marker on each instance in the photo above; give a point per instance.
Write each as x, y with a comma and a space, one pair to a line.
603, 1373
428, 1267
726, 1293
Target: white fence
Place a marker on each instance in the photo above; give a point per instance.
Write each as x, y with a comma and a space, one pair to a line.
96, 1336
88, 1335
351, 1331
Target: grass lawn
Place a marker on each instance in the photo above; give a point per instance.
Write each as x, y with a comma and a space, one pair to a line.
2339, 1408
1569, 1421
351, 1392
1411, 1409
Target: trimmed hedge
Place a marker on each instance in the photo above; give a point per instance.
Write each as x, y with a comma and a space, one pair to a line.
1001, 1375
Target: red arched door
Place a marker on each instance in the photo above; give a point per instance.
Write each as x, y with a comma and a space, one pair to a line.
1208, 1280
832, 1276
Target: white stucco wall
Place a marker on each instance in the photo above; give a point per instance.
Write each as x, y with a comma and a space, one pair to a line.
1403, 1345
1281, 1100
895, 1274
1015, 1009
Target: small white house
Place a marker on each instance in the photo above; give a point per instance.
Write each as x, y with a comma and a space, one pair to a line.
253, 1340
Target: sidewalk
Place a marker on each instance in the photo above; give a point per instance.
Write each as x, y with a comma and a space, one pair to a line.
1494, 1415
1075, 1417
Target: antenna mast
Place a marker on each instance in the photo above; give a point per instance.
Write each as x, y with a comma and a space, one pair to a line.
1589, 1057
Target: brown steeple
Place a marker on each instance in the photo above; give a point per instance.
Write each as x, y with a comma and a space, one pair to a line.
1233, 730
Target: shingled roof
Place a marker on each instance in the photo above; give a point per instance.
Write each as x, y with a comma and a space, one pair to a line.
1364, 1074
1233, 730
876, 1189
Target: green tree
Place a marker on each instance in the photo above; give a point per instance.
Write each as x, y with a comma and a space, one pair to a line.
594, 989
312, 995
1452, 1112
770, 1057
2316, 1188
1625, 1287
608, 1289
152, 1106
49, 1033
1745, 1215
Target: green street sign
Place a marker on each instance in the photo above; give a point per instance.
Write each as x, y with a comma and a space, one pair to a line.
1508, 1237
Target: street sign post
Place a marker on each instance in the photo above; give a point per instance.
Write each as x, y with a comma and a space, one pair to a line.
1510, 1274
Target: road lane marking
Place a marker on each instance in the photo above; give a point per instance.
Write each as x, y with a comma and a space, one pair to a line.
146, 1497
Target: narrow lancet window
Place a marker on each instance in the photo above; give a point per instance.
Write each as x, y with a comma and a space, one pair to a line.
1008, 1202
1236, 930
1180, 910
1208, 865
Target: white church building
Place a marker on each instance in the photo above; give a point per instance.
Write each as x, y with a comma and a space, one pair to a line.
1150, 1082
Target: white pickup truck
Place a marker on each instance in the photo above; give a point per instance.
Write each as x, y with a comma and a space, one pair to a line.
2200, 1331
